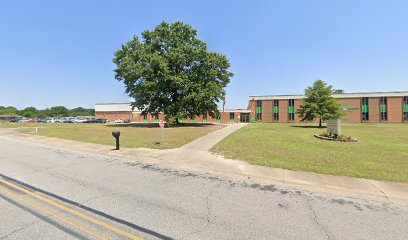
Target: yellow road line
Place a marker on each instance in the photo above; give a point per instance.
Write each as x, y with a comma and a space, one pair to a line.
73, 212
54, 215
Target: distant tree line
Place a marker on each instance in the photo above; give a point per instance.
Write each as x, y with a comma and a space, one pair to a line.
55, 112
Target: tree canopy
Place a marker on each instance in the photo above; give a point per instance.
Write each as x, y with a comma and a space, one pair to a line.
57, 112
171, 71
319, 103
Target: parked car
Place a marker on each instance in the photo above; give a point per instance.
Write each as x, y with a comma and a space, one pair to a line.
118, 121
78, 120
65, 120
41, 121
30, 121
90, 120
13, 120
26, 120
101, 120
50, 120
60, 120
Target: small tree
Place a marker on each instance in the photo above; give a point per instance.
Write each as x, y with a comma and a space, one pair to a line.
172, 71
319, 103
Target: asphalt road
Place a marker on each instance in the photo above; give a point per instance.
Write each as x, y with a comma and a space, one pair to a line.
48, 193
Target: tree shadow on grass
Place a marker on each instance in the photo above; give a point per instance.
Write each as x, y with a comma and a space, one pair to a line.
156, 125
322, 127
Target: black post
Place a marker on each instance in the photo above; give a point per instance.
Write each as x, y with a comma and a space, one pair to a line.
116, 135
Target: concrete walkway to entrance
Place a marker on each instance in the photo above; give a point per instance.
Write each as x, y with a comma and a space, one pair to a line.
195, 156
206, 142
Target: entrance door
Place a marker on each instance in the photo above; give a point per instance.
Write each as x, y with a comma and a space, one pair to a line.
244, 117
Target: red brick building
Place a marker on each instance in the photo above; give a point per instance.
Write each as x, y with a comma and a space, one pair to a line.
374, 107
123, 111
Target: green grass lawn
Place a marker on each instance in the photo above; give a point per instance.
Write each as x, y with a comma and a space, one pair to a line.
132, 135
381, 153
4, 124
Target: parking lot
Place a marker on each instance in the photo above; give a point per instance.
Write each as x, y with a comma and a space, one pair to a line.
64, 120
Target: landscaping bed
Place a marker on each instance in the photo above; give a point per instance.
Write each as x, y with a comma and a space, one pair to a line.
335, 139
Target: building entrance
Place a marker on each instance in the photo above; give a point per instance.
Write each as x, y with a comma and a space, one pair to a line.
244, 117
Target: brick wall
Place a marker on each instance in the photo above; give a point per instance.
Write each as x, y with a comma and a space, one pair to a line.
283, 110
267, 111
353, 106
394, 106
112, 116
374, 110
225, 117
252, 107
298, 102
353, 114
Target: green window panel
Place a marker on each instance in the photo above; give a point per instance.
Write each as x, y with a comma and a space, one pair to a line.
145, 120
364, 108
383, 108
291, 109
259, 109
405, 107
232, 121
180, 120
192, 120
218, 120
252, 120
204, 120
276, 109
156, 120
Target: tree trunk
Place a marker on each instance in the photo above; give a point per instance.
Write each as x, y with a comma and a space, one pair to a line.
320, 122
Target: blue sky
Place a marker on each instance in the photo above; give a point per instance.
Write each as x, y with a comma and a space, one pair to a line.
60, 52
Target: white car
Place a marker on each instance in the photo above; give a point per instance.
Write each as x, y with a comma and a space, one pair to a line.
50, 120
61, 120
78, 120
118, 121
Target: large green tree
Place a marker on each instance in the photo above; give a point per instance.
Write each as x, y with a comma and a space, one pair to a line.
8, 110
170, 70
58, 111
80, 111
319, 103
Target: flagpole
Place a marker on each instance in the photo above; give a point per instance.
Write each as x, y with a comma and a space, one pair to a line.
223, 104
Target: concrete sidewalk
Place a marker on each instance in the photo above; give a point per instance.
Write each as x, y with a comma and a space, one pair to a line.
206, 142
194, 156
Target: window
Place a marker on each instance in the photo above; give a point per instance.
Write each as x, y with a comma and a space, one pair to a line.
205, 117
232, 115
405, 108
383, 109
259, 110
276, 110
144, 117
291, 110
364, 109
